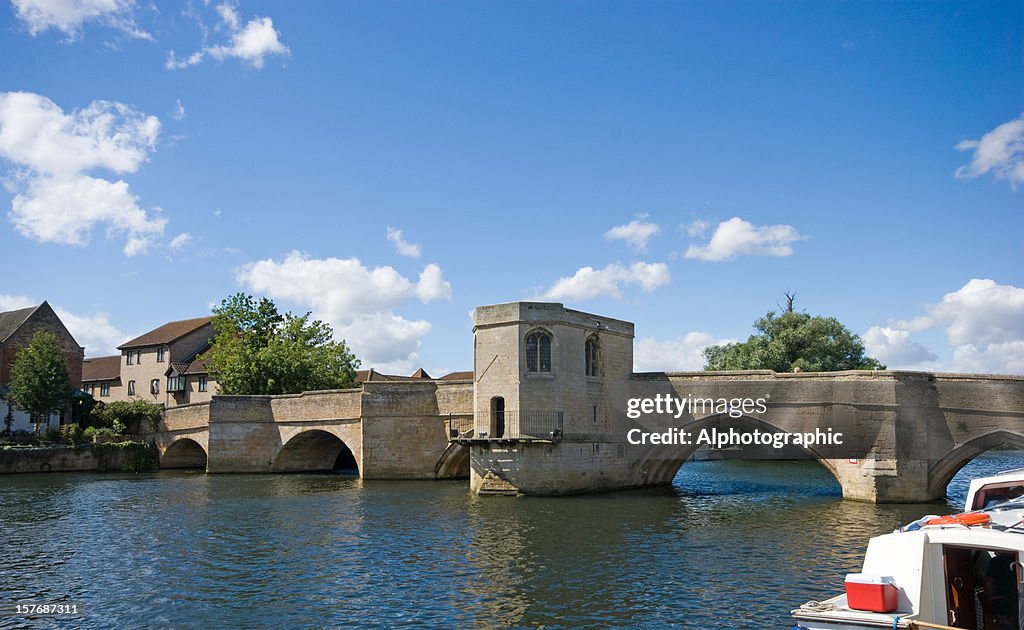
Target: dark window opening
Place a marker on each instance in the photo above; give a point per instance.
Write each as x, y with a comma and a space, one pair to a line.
981, 588
538, 352
591, 357
497, 417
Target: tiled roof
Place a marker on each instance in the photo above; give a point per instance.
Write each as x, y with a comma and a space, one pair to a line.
12, 320
191, 365
374, 376
195, 366
101, 368
458, 376
166, 333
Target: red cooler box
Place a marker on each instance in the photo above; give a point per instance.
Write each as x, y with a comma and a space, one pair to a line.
876, 593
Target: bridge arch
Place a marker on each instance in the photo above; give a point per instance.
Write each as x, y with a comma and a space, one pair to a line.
942, 471
453, 463
661, 464
183, 453
312, 451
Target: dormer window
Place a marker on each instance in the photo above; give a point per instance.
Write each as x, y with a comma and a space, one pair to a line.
538, 351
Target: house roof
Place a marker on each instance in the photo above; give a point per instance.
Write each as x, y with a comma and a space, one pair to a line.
11, 321
458, 376
169, 332
101, 368
374, 376
191, 365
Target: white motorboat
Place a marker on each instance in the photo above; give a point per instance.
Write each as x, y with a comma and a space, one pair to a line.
956, 571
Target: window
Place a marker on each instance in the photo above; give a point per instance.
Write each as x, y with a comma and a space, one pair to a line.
131, 388
131, 357
138, 357
104, 389
202, 383
154, 386
175, 383
538, 351
160, 352
592, 354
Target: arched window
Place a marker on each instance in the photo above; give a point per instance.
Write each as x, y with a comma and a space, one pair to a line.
538, 351
592, 352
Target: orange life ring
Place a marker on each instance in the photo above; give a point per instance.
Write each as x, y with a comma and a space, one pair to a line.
967, 519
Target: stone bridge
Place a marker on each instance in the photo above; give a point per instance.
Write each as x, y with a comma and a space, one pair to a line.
547, 412
907, 433
382, 430
922, 428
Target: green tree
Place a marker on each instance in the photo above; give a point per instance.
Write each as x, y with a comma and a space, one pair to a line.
257, 350
39, 379
793, 341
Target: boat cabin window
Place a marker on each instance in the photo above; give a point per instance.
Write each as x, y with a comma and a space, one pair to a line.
981, 588
996, 494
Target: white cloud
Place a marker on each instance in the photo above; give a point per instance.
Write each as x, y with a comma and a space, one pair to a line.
54, 199
737, 237
401, 245
15, 302
684, 354
251, 43
696, 228
1007, 358
179, 111
432, 285
1000, 152
357, 301
384, 341
180, 241
68, 16
893, 347
983, 322
636, 233
174, 63
589, 283
95, 332
981, 312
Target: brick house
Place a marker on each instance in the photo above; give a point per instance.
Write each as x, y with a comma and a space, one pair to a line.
16, 330
161, 367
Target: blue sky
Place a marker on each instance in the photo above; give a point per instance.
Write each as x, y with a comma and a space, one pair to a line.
867, 156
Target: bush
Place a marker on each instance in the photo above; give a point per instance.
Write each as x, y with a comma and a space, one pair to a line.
71, 433
126, 417
89, 433
51, 436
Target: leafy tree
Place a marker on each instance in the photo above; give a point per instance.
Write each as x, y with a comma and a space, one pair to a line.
39, 379
793, 341
257, 350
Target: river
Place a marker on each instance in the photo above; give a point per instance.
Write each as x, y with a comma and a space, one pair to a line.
729, 545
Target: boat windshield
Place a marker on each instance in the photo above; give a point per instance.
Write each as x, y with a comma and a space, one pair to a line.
1016, 503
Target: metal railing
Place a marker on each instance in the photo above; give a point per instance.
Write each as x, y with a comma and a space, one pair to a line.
460, 425
523, 424
508, 425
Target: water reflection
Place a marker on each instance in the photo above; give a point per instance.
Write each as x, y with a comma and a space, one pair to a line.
730, 545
